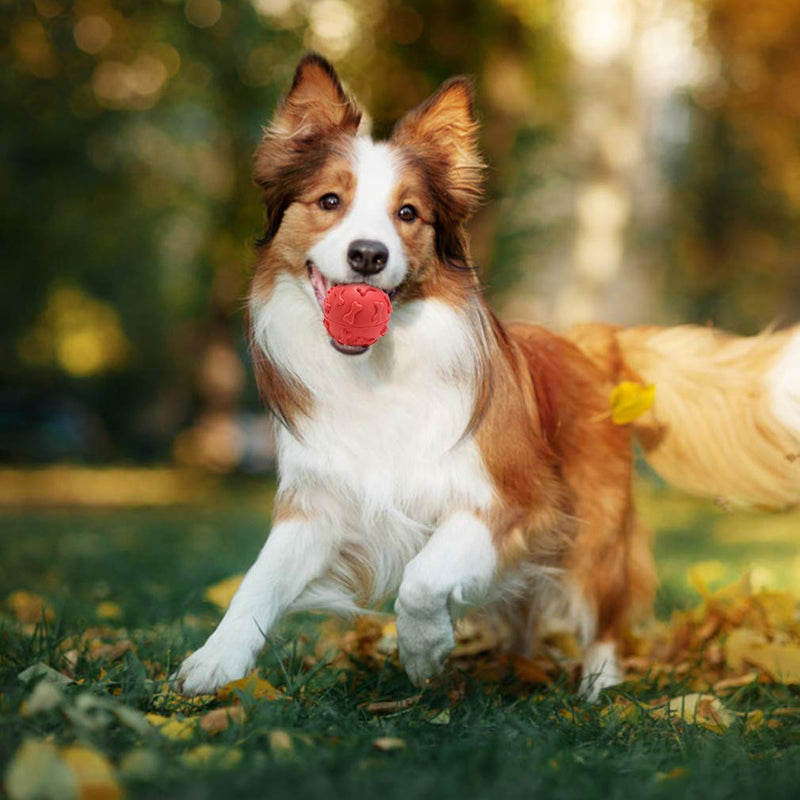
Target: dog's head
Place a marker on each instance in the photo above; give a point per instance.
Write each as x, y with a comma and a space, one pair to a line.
341, 208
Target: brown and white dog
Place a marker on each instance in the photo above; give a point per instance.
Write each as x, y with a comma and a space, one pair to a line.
459, 462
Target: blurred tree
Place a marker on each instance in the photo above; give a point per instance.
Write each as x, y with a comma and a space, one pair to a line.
736, 204
128, 208
128, 211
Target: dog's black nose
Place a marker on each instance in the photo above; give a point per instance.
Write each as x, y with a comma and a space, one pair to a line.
366, 256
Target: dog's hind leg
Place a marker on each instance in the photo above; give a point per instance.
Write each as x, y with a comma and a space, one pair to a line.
615, 579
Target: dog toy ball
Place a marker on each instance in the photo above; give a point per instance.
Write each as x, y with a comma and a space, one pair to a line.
356, 314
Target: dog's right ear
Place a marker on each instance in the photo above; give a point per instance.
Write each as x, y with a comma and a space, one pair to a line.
316, 103
316, 108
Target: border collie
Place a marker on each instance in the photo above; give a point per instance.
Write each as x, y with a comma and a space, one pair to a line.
459, 462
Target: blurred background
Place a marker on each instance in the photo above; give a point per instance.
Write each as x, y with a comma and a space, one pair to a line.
644, 167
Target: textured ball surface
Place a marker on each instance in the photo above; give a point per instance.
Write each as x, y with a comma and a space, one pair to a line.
356, 313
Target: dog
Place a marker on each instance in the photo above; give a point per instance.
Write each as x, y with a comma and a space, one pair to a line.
458, 462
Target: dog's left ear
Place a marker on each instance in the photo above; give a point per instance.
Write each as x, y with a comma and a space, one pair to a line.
443, 131
316, 103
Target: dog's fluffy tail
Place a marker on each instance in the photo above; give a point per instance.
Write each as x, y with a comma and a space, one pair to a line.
726, 418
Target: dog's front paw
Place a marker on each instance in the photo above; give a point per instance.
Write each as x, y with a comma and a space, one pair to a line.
425, 642
211, 667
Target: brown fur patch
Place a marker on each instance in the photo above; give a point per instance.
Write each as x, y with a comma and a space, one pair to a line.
562, 473
313, 122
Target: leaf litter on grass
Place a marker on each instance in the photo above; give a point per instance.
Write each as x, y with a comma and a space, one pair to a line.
709, 667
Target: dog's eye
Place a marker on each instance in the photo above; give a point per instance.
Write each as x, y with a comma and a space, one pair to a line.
407, 213
329, 201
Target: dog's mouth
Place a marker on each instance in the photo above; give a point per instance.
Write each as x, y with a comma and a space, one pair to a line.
321, 286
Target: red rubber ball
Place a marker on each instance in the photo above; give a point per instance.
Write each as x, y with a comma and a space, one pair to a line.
356, 313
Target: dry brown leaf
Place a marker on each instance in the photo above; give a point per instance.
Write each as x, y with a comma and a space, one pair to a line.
220, 719
392, 706
388, 743
726, 684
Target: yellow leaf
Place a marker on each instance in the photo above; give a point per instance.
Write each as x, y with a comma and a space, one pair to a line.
253, 685
698, 709
172, 727
221, 594
280, 743
629, 400
36, 772
703, 573
754, 720
739, 645
212, 755
29, 607
93, 773
780, 661
108, 610
673, 774
621, 711
220, 719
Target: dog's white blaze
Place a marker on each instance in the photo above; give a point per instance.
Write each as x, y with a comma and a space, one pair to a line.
381, 458
370, 216
784, 381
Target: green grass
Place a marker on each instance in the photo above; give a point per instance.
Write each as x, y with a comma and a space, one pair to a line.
492, 742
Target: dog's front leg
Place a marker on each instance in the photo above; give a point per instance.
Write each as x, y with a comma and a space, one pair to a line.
295, 553
453, 571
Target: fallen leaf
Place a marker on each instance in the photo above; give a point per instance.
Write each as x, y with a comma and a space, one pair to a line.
36, 772
221, 594
173, 727
439, 718
392, 706
29, 607
740, 644
253, 685
213, 756
629, 400
753, 720
673, 774
621, 711
93, 773
698, 709
388, 743
41, 670
280, 743
786, 712
108, 610
780, 661
220, 719
47, 696
735, 683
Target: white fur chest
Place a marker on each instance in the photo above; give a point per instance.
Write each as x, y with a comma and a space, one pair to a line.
383, 456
